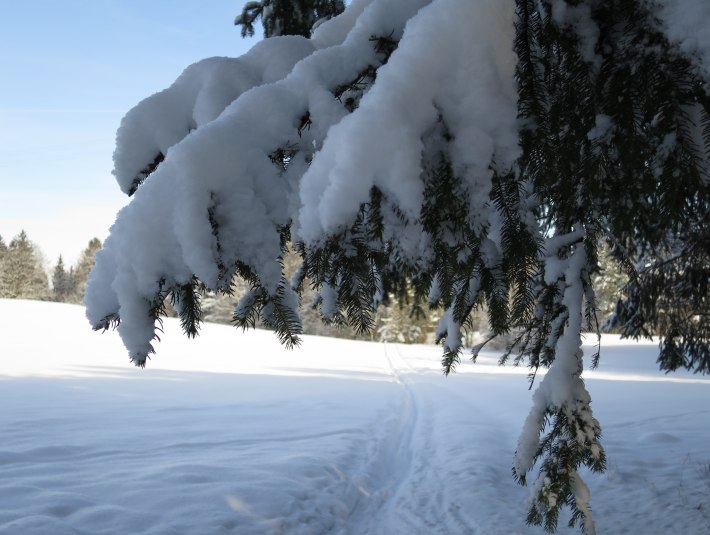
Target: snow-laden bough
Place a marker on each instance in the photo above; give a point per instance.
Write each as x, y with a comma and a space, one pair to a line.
429, 145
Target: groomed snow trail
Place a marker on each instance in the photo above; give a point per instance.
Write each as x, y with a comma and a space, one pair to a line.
232, 434
415, 471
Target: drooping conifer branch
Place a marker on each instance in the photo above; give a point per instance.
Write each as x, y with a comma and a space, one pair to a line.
473, 152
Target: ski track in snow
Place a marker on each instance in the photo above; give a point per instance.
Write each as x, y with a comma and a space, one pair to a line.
410, 469
232, 434
410, 472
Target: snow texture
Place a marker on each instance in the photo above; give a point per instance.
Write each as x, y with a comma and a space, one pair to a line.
217, 198
453, 60
687, 23
218, 126
238, 149
562, 388
579, 18
216, 129
341, 437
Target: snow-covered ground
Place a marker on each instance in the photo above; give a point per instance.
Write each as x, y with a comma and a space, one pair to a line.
230, 433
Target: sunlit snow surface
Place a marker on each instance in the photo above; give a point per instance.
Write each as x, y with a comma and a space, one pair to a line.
230, 433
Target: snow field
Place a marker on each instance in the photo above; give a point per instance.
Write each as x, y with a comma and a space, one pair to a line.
230, 433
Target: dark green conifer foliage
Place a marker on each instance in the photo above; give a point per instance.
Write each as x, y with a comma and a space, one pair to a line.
615, 138
287, 17
186, 300
615, 141
621, 143
612, 143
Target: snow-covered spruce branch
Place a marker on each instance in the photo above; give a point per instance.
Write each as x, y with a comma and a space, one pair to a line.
225, 167
471, 150
562, 413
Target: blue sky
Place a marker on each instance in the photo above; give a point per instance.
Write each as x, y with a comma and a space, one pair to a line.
69, 71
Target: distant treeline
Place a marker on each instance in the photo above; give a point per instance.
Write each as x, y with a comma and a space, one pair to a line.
23, 275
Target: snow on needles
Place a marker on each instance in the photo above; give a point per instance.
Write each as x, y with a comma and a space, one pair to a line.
454, 60
200, 155
218, 126
298, 133
562, 389
198, 96
687, 23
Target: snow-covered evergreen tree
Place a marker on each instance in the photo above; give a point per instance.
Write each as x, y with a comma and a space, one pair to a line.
477, 150
21, 273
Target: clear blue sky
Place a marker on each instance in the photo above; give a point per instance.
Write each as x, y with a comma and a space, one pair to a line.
69, 70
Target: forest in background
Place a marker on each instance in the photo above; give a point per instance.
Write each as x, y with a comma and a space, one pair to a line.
25, 273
